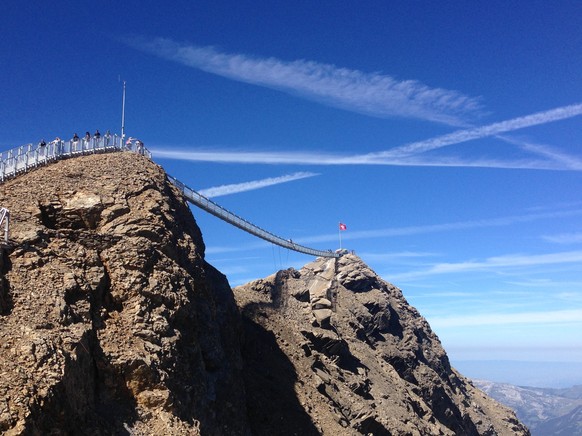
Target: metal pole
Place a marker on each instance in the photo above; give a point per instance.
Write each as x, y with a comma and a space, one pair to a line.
123, 115
339, 227
5, 218
7, 226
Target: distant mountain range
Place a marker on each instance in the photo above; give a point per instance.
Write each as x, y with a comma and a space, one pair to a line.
546, 411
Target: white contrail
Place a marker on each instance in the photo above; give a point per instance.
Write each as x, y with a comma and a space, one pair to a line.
218, 191
408, 154
315, 158
465, 135
369, 93
250, 157
565, 160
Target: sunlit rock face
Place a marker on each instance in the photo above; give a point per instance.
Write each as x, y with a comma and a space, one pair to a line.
111, 321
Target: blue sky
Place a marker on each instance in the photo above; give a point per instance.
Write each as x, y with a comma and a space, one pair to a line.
446, 135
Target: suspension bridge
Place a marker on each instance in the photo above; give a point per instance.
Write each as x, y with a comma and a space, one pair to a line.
27, 157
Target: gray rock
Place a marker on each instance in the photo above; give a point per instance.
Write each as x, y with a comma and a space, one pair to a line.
370, 364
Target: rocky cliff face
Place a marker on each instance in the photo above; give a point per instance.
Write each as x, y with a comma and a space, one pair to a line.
111, 322
338, 350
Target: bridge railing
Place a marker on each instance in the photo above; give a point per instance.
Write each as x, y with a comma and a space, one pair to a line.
220, 212
26, 157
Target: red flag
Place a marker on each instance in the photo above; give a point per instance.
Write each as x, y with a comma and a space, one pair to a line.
342, 226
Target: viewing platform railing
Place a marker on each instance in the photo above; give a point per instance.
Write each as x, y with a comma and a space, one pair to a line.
26, 157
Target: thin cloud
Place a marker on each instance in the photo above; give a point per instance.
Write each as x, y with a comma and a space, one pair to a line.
373, 94
311, 158
465, 135
564, 238
545, 284
368, 93
440, 294
218, 191
410, 230
255, 245
444, 227
563, 159
225, 156
394, 257
495, 264
409, 154
454, 161
546, 317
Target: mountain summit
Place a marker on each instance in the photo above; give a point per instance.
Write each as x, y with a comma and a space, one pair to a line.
112, 322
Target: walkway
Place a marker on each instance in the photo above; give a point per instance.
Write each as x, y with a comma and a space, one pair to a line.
209, 206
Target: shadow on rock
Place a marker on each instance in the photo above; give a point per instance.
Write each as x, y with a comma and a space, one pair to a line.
272, 404
90, 399
6, 303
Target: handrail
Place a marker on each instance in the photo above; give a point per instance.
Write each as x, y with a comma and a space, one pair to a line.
220, 212
5, 218
27, 157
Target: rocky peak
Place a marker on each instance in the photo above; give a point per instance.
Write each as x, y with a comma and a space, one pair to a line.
353, 357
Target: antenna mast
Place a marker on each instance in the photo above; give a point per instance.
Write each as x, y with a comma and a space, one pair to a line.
123, 114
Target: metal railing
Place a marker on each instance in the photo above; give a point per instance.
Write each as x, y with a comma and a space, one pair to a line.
27, 157
5, 222
220, 212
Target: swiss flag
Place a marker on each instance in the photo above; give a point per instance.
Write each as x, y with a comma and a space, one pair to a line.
342, 226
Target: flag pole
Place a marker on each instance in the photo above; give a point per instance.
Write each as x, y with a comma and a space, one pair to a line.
339, 230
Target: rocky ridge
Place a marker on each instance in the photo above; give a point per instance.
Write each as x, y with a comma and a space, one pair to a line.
112, 322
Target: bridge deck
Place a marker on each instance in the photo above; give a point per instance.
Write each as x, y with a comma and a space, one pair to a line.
218, 211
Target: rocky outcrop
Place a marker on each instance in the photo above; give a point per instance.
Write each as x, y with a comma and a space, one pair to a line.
363, 362
111, 321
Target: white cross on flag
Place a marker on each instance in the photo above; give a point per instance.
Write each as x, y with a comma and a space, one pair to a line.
342, 226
